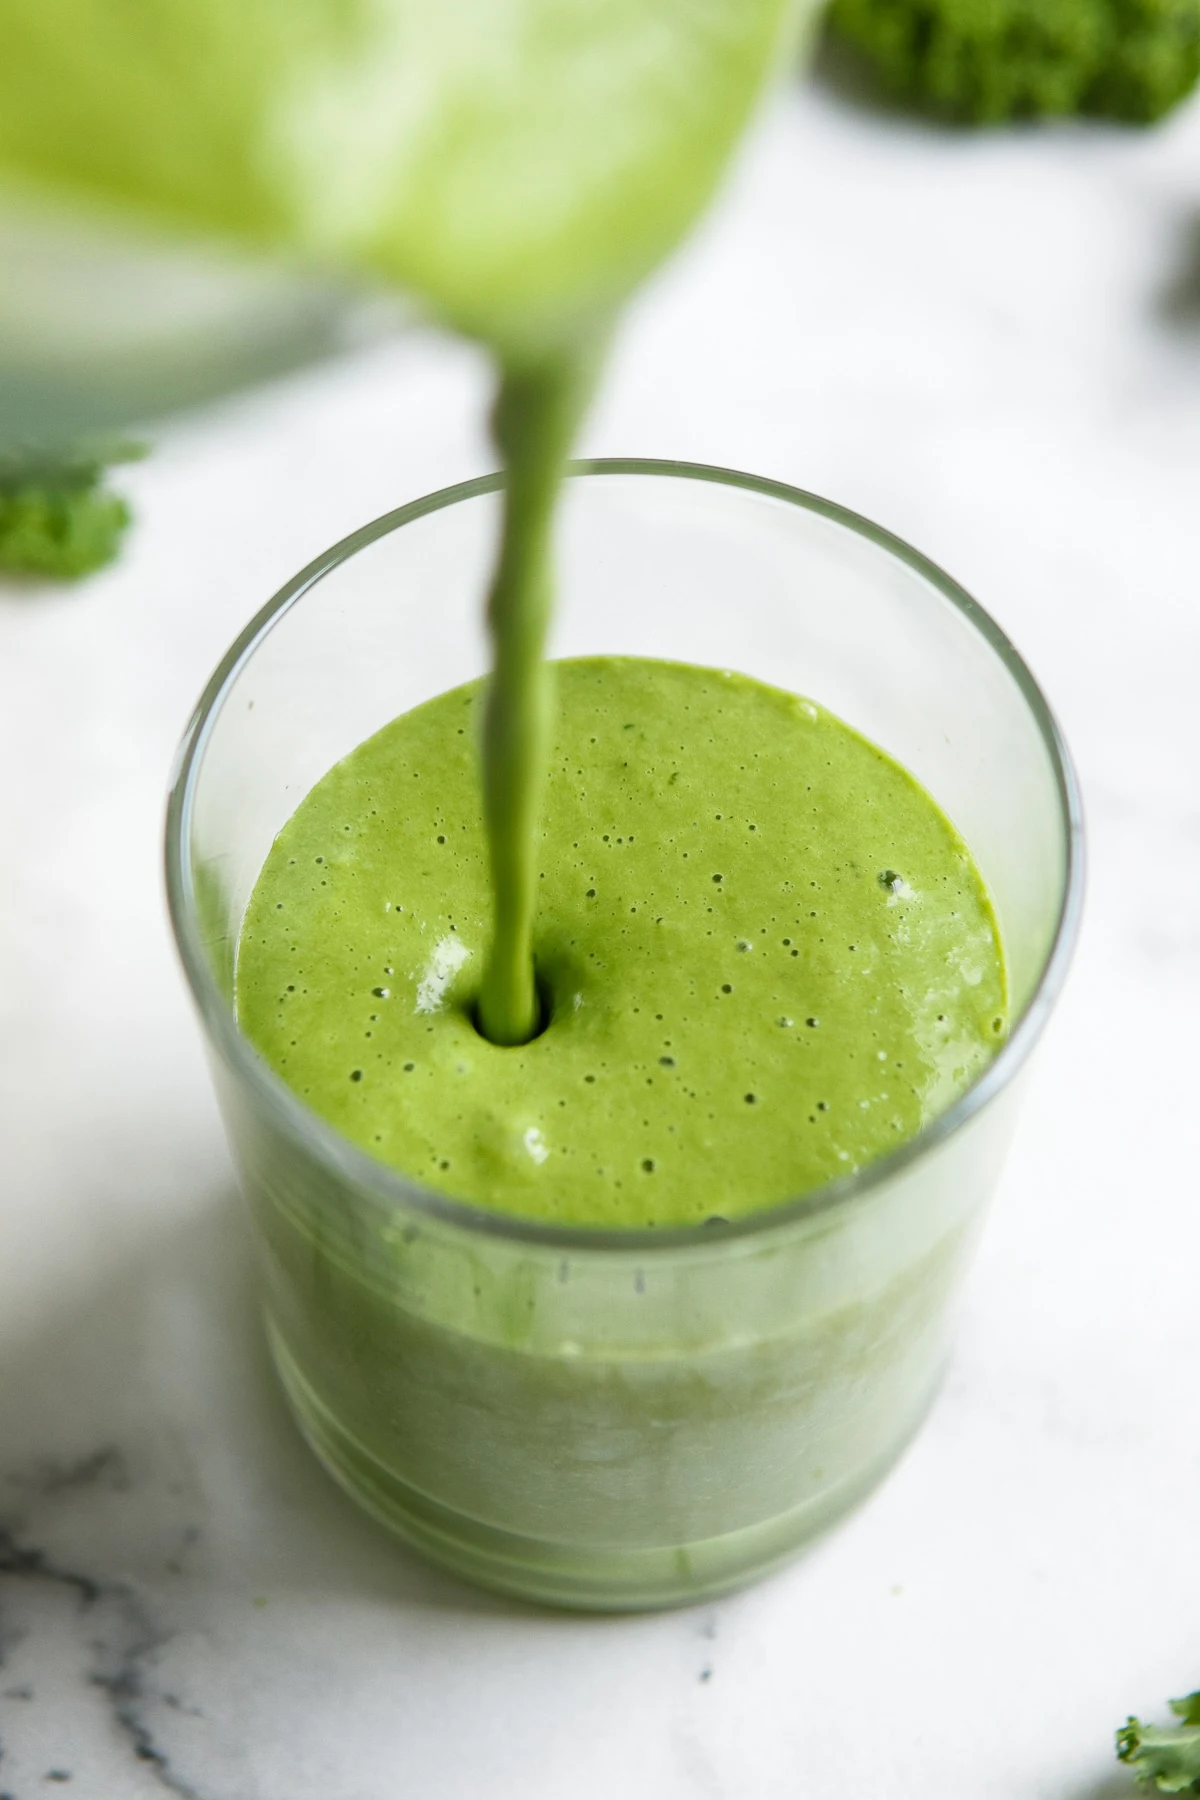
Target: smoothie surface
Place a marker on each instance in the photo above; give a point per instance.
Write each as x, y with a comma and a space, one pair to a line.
766, 957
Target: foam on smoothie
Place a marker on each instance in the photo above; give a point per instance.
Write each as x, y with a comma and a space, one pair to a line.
766, 957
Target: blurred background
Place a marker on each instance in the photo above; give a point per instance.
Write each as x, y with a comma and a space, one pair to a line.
983, 332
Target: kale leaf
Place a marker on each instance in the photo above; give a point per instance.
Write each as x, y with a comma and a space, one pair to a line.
57, 516
982, 61
1166, 1756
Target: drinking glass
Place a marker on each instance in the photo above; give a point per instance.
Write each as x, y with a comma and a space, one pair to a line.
590, 1417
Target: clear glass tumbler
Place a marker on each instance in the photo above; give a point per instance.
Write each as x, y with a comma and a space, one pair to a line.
595, 1418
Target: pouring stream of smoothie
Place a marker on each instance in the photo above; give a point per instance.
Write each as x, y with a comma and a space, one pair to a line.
533, 422
518, 168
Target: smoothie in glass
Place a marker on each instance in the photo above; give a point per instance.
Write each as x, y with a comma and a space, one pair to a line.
635, 1410
764, 957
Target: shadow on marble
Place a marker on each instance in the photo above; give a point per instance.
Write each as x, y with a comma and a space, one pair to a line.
1179, 301
143, 1436
17, 591
1120, 1785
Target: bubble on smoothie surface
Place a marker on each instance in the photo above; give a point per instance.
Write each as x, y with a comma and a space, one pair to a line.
535, 1144
711, 1047
448, 956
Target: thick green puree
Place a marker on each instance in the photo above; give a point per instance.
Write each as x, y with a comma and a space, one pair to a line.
766, 956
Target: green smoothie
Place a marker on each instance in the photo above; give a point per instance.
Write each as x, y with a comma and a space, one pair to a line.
765, 957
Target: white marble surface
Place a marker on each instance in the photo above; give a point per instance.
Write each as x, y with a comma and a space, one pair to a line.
990, 345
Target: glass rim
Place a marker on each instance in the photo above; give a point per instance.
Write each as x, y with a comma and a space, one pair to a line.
389, 1187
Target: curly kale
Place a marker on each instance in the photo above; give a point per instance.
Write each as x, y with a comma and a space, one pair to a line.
1168, 1756
57, 517
982, 61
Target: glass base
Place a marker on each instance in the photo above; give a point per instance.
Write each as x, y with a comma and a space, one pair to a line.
576, 1577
